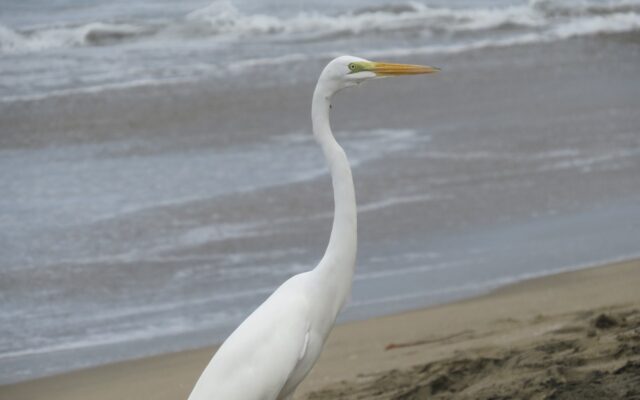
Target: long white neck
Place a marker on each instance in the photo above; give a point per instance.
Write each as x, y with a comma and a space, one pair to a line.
337, 266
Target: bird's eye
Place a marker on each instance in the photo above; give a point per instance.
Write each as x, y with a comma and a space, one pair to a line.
352, 66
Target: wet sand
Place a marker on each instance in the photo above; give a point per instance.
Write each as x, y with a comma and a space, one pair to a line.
574, 335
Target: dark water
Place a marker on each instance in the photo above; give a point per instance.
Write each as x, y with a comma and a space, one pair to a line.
159, 179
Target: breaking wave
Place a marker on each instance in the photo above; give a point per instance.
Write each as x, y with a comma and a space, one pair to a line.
221, 19
92, 34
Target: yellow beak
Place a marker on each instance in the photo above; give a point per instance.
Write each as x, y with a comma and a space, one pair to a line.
390, 69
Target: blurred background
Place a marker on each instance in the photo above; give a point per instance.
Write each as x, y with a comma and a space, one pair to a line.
158, 177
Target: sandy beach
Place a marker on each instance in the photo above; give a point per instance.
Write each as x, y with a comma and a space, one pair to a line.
160, 179
573, 335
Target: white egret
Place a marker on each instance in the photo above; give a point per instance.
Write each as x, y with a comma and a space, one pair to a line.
274, 349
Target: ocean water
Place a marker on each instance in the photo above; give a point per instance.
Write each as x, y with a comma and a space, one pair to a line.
159, 178
67, 46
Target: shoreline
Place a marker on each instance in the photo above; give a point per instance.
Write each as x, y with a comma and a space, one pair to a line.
458, 191
360, 351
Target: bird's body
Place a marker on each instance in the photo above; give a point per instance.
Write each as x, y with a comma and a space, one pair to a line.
274, 349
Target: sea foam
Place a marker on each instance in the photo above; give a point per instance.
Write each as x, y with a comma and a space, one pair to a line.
222, 19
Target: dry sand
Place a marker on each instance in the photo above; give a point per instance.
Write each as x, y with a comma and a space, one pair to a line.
574, 335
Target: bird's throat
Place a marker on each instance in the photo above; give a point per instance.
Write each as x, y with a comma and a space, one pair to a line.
338, 263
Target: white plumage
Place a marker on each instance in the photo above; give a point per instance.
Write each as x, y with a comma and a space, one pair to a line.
274, 349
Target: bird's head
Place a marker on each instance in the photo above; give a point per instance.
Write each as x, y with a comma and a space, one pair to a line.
347, 71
